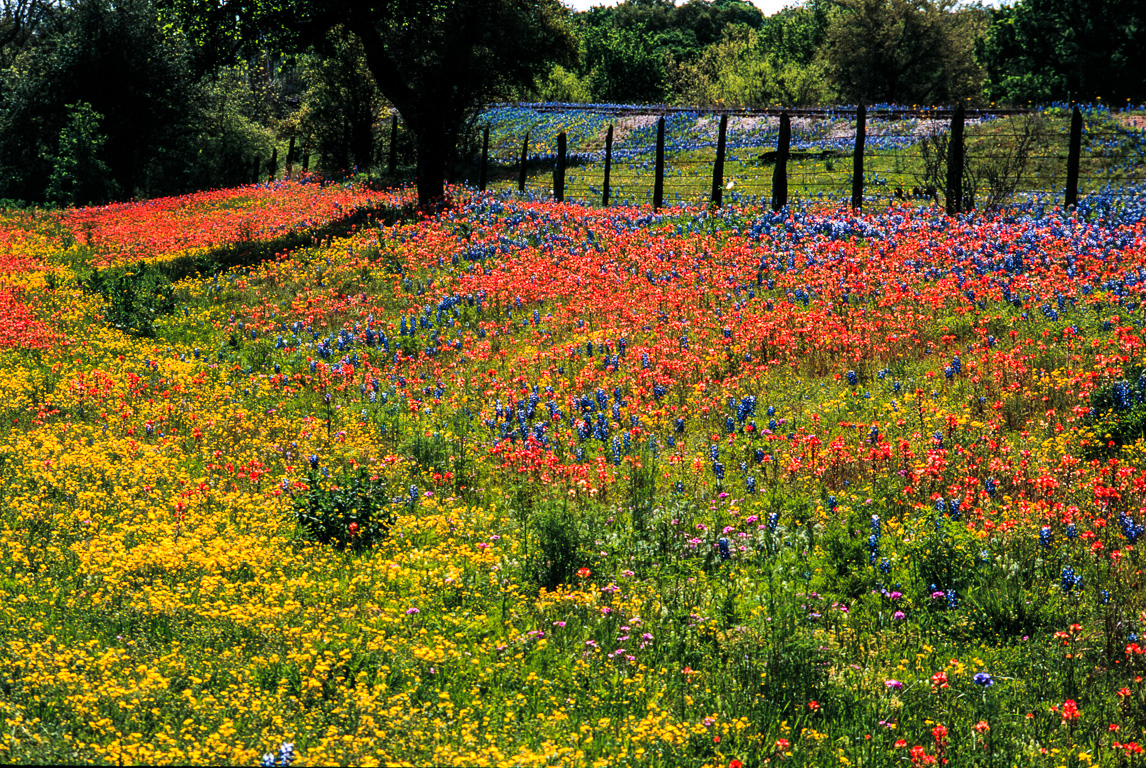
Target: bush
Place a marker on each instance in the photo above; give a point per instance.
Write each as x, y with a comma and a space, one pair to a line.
349, 513
559, 547
136, 297
79, 174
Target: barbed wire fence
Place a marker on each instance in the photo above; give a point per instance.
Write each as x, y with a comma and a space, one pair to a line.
960, 159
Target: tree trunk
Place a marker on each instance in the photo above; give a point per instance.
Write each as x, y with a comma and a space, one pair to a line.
434, 145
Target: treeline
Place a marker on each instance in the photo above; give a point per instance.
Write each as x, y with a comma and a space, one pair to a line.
112, 99
105, 100
816, 52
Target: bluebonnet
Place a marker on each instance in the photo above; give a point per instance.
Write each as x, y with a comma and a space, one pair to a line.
1130, 529
1045, 536
1070, 581
984, 679
746, 408
773, 520
285, 757
722, 545
852, 378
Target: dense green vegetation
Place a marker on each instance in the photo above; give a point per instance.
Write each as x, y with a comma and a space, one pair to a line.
113, 99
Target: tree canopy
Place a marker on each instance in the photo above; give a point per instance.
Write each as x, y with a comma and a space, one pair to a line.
115, 57
436, 61
1042, 50
904, 51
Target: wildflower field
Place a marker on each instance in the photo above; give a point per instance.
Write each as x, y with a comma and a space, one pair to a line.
527, 483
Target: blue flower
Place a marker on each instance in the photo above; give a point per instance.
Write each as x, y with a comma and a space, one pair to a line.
984, 679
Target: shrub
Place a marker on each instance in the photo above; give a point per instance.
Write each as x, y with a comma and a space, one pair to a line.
559, 552
349, 513
135, 297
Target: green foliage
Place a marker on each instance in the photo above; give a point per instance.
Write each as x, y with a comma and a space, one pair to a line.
348, 513
904, 52
136, 297
342, 105
944, 557
625, 67
560, 546
1118, 412
741, 71
230, 127
847, 555
565, 86
120, 59
79, 175
1042, 50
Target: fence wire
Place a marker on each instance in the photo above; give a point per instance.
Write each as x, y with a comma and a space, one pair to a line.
1009, 155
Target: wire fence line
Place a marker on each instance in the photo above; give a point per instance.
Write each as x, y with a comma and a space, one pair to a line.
904, 153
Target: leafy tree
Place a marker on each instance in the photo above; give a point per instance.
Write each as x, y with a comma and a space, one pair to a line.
1041, 50
118, 57
741, 71
625, 67
436, 61
230, 120
342, 103
19, 20
564, 85
79, 175
904, 51
796, 34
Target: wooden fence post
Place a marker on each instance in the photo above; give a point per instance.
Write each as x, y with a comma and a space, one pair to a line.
484, 158
718, 166
955, 164
659, 171
1073, 157
524, 154
305, 160
392, 164
857, 157
559, 170
274, 166
780, 174
608, 166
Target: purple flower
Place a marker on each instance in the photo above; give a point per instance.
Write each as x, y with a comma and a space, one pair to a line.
984, 679
893, 684
899, 616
